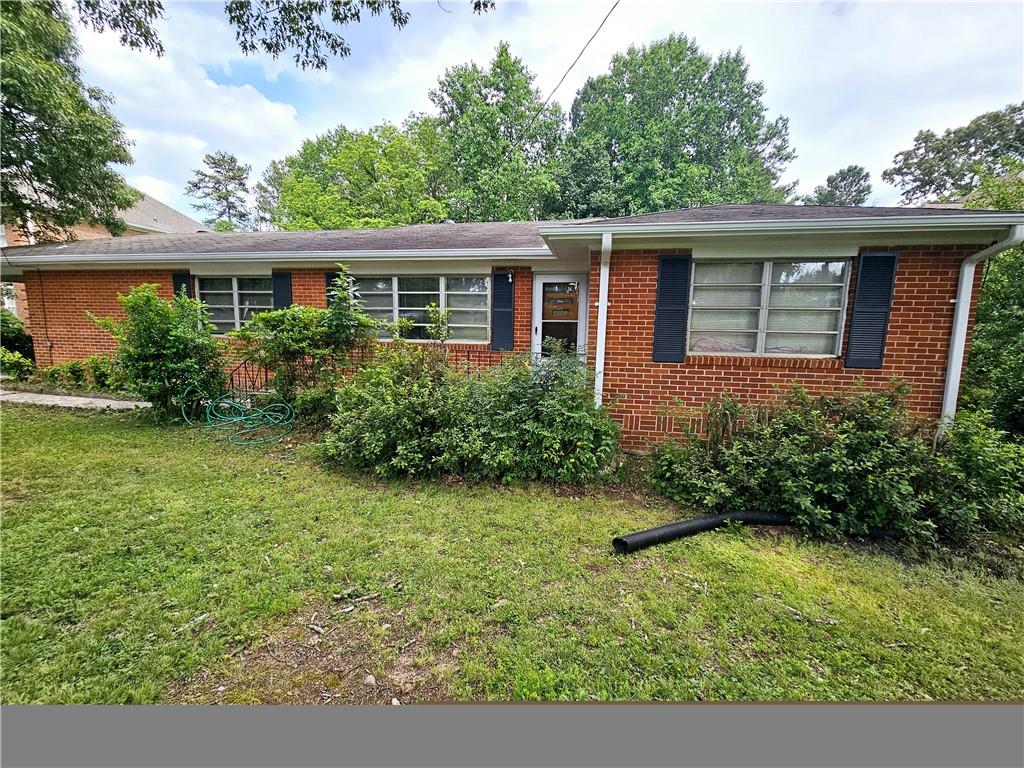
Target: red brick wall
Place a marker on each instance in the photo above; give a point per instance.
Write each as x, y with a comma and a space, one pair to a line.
642, 394
58, 302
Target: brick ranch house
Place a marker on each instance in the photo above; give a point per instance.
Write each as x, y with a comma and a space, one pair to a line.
667, 307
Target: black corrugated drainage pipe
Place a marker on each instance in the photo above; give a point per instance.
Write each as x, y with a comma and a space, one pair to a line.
641, 539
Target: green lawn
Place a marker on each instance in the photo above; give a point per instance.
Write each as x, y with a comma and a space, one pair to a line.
142, 564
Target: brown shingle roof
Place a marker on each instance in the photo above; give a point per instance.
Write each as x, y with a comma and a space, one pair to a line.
511, 234
418, 237
764, 212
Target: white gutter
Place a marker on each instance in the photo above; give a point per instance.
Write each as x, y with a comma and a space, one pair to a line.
60, 259
958, 339
930, 223
602, 316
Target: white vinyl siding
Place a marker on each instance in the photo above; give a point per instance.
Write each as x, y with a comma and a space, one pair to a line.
468, 298
231, 302
782, 308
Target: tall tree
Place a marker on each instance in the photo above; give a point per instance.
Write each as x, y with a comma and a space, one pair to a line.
382, 177
995, 366
670, 126
848, 186
502, 139
950, 166
307, 29
59, 136
223, 192
268, 194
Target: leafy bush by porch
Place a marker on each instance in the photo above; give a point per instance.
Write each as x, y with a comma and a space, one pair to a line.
407, 412
847, 463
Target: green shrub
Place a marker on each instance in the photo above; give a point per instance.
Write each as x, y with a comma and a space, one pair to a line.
316, 405
407, 412
94, 372
166, 350
13, 336
539, 422
16, 365
401, 413
847, 463
977, 478
303, 346
103, 373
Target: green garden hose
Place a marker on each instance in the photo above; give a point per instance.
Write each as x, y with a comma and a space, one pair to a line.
251, 425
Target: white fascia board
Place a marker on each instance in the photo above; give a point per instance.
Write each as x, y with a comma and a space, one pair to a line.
787, 226
277, 257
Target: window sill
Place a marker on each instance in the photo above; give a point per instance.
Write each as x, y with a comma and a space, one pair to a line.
719, 360
452, 342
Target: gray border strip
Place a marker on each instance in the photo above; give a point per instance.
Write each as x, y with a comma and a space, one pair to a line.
980, 735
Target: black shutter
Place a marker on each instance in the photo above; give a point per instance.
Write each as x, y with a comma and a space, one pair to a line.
670, 309
282, 282
181, 280
872, 304
502, 301
329, 278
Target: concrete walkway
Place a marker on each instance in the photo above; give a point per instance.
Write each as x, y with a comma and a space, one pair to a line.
67, 401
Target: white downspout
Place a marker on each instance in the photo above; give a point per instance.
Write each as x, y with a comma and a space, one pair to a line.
602, 315
958, 339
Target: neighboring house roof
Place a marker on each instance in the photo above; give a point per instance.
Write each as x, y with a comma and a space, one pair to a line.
516, 239
150, 215
956, 205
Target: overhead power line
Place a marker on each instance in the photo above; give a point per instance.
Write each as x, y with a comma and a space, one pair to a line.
566, 73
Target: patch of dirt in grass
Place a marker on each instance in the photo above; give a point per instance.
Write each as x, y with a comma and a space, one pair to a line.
326, 655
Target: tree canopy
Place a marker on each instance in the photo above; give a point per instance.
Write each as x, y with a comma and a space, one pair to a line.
501, 139
670, 126
307, 29
995, 366
950, 166
848, 186
386, 176
222, 192
59, 136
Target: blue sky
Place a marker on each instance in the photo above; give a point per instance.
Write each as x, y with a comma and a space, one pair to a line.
856, 80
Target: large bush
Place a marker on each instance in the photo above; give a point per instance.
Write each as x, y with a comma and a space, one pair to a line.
408, 412
166, 350
304, 346
846, 463
538, 421
13, 336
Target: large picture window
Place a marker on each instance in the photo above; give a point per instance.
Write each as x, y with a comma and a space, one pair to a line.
468, 298
231, 302
768, 307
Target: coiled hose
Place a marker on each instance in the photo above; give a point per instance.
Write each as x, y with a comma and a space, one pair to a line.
251, 425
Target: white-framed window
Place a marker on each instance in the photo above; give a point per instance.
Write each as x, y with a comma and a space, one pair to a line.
788, 308
467, 296
231, 302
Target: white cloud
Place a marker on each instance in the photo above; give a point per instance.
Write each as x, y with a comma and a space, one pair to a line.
856, 80
175, 113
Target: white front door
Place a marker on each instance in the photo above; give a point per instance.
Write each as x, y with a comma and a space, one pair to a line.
560, 311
